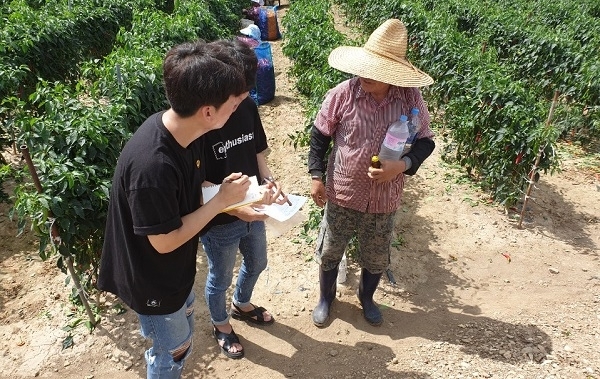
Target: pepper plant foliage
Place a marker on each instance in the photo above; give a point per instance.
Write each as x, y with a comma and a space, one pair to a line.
52, 39
309, 47
75, 144
497, 65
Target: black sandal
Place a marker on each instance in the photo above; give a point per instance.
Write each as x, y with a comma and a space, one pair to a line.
228, 341
257, 312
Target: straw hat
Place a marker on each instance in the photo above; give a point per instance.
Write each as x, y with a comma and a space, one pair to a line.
383, 58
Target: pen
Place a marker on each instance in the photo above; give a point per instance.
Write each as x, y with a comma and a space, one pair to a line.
270, 180
231, 180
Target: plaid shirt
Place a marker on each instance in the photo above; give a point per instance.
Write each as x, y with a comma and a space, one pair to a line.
357, 125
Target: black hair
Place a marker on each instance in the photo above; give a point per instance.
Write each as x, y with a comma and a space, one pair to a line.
195, 75
245, 55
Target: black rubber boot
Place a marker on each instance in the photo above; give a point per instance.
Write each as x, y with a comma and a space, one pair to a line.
328, 286
366, 289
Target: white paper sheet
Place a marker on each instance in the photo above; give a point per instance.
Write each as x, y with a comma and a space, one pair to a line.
285, 211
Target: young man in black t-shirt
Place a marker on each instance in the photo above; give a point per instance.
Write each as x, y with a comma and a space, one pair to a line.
154, 218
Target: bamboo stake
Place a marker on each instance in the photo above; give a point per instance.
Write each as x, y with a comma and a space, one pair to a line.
538, 158
55, 237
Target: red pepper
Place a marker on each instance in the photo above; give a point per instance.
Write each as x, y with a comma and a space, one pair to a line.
519, 158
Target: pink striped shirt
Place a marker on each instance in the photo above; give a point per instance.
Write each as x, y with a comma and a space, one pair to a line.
357, 125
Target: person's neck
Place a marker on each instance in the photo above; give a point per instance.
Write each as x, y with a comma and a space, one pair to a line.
184, 130
379, 96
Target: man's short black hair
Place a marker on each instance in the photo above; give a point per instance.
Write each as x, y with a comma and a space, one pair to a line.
195, 76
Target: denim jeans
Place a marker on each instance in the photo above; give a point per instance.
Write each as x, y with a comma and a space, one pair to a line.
221, 244
171, 337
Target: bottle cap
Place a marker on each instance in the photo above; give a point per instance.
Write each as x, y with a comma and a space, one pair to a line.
403, 118
415, 111
375, 161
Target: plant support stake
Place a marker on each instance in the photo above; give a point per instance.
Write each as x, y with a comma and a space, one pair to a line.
55, 237
537, 161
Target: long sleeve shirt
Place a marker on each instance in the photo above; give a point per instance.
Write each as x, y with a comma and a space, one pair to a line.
357, 124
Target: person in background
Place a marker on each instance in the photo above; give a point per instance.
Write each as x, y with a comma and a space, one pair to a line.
239, 146
357, 198
252, 11
250, 35
155, 213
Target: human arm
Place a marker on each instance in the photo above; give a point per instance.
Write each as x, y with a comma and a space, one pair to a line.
408, 164
421, 150
319, 143
424, 145
232, 190
389, 170
272, 194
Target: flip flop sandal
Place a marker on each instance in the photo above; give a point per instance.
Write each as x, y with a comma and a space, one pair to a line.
254, 316
228, 341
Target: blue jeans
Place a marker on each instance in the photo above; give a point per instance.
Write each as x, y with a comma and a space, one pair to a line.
171, 340
221, 244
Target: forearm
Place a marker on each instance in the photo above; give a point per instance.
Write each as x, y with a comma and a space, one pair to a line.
192, 224
319, 143
263, 168
421, 150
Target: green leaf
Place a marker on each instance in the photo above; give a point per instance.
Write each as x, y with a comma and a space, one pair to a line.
68, 342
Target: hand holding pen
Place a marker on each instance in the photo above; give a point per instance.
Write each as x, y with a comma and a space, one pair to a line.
272, 181
233, 188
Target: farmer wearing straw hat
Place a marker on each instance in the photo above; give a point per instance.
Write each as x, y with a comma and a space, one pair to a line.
358, 198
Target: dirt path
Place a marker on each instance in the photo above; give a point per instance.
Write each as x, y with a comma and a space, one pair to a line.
460, 309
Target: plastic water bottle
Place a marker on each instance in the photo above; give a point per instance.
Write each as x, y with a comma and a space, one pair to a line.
342, 269
414, 125
395, 138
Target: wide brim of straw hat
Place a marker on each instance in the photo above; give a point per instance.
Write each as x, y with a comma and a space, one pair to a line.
361, 62
383, 58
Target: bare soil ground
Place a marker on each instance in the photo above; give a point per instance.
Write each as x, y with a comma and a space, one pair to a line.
460, 308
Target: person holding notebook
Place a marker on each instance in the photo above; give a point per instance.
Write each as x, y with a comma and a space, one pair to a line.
237, 147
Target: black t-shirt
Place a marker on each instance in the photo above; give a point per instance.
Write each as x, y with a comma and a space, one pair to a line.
233, 148
156, 182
